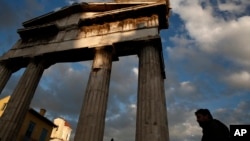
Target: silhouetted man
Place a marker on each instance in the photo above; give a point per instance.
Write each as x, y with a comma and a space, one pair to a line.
213, 129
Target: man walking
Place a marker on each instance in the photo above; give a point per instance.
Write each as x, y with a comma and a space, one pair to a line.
213, 129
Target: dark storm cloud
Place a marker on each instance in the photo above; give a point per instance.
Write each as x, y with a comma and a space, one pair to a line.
122, 125
123, 79
13, 13
123, 86
191, 72
63, 91
237, 115
120, 119
8, 15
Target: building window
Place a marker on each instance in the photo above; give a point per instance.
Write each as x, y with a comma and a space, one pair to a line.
29, 130
43, 135
4, 107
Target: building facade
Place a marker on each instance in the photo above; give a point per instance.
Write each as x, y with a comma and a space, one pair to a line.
35, 126
62, 132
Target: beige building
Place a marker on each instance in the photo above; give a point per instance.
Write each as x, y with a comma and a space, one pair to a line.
62, 131
3, 104
36, 127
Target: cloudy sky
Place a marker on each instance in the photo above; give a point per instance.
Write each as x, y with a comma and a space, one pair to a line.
207, 57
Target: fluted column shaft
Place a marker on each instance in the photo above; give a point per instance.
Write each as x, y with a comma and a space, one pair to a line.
92, 117
20, 100
5, 74
151, 124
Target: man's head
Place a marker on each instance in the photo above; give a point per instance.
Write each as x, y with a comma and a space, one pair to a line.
203, 117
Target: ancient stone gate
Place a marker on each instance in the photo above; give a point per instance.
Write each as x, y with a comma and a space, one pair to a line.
101, 32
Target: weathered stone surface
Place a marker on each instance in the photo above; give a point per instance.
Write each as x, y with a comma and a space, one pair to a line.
92, 117
5, 74
12, 118
151, 123
91, 25
119, 26
73, 34
89, 37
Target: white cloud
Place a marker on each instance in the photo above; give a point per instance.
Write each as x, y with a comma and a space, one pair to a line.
231, 7
187, 87
57, 9
182, 124
135, 71
233, 41
198, 21
239, 80
215, 34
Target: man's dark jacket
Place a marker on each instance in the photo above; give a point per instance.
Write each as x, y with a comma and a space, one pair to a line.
215, 131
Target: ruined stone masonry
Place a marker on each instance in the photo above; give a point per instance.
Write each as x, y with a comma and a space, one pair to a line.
101, 32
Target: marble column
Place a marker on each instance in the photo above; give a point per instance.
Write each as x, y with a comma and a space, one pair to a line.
20, 100
5, 73
92, 116
151, 121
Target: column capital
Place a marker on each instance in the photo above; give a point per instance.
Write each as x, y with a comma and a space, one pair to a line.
46, 62
155, 43
103, 56
13, 67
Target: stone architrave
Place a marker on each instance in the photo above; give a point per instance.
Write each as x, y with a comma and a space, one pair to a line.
92, 117
19, 103
151, 124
